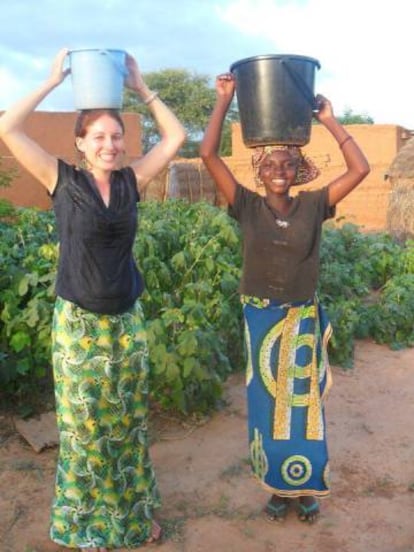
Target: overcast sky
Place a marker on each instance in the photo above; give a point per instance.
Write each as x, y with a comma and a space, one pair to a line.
365, 47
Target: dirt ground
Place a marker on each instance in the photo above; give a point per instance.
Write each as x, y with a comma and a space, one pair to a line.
211, 502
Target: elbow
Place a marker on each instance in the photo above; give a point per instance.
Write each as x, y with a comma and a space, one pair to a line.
205, 152
182, 137
362, 171
175, 141
179, 138
365, 170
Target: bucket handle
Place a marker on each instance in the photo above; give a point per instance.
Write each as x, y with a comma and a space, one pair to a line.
119, 66
301, 85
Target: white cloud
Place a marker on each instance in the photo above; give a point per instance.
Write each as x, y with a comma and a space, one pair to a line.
11, 87
364, 48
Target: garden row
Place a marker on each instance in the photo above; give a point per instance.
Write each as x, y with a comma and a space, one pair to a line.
190, 257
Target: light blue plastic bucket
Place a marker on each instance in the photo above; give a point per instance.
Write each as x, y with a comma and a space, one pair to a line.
97, 78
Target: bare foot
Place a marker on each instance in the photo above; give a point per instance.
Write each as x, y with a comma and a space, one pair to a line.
156, 532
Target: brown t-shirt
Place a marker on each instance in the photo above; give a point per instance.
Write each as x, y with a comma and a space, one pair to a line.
281, 253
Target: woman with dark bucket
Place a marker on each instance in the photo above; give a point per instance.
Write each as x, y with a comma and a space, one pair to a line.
286, 330
105, 491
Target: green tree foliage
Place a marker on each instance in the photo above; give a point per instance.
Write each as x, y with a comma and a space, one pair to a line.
191, 98
350, 118
6, 178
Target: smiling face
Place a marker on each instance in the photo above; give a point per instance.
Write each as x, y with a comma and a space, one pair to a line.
277, 171
102, 143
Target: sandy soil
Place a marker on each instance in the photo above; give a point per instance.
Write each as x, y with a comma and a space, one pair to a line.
212, 502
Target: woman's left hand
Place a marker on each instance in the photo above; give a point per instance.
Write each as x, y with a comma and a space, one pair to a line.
134, 78
324, 107
58, 73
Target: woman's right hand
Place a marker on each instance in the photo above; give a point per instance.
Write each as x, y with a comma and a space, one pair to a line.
57, 72
225, 86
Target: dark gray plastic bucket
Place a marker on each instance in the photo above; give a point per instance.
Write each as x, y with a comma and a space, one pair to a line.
275, 95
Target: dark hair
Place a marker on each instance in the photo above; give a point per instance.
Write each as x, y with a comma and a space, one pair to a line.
88, 116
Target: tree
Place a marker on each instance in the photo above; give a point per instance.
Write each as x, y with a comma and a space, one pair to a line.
192, 100
351, 118
6, 178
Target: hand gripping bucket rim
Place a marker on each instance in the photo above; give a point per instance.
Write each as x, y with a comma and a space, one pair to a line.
275, 98
97, 77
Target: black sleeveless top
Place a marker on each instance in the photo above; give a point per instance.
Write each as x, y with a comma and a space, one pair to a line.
96, 267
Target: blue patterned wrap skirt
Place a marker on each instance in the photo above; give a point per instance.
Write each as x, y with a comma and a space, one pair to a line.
287, 379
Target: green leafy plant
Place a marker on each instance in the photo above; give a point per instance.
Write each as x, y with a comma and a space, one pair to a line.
190, 257
6, 178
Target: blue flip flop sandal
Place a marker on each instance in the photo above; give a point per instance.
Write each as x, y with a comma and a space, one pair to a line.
276, 512
308, 513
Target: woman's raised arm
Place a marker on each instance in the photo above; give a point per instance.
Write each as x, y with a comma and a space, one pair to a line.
356, 162
172, 131
210, 144
27, 152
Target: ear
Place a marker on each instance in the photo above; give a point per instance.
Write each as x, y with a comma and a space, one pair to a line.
79, 144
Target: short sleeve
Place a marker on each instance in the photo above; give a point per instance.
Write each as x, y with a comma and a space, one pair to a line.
64, 173
242, 197
327, 210
131, 178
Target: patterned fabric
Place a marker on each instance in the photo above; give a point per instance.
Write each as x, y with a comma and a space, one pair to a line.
287, 378
105, 485
306, 172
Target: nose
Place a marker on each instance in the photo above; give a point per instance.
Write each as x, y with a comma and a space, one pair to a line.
277, 169
109, 142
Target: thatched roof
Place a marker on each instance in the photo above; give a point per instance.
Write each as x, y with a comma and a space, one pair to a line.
403, 163
400, 221
186, 179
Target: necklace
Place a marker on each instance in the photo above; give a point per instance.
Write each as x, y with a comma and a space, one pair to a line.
280, 222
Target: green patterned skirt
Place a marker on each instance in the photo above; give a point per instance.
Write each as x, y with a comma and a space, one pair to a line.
105, 485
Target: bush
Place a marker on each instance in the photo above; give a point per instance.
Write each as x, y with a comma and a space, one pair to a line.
190, 257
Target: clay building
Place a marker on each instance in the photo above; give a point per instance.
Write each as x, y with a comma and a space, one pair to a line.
366, 206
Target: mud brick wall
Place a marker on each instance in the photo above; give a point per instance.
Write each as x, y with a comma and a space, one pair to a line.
55, 133
365, 206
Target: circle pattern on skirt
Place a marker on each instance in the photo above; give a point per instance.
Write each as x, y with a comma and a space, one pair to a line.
296, 470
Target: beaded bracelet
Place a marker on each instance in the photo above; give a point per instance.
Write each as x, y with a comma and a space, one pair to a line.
344, 141
151, 98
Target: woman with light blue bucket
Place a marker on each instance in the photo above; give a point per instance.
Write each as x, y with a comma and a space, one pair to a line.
106, 491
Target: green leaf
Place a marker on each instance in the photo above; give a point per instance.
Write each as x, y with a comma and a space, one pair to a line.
190, 364
187, 344
172, 372
19, 341
23, 367
178, 261
23, 285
